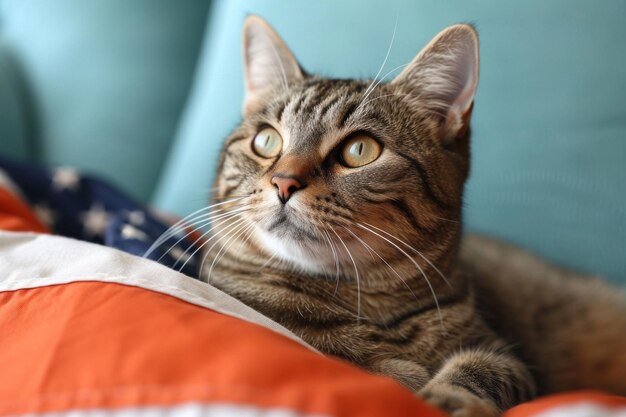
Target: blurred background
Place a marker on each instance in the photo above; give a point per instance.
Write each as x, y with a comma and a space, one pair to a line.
143, 92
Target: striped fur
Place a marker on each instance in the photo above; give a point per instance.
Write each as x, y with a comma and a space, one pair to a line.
365, 263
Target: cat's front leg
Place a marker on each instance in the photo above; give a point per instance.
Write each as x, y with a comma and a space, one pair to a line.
479, 383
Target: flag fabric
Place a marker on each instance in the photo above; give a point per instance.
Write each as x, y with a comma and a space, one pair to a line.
79, 206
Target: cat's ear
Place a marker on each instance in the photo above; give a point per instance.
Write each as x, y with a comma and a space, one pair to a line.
268, 63
444, 77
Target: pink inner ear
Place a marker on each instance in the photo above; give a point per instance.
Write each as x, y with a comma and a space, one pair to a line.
448, 69
466, 70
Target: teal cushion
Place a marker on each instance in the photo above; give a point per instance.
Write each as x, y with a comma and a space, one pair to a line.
549, 142
108, 80
13, 124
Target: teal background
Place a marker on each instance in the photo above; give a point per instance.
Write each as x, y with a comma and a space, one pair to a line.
14, 135
124, 89
105, 81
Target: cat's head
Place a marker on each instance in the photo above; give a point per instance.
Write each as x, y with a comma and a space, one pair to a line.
328, 173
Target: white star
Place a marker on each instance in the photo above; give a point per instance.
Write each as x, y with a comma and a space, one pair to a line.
95, 220
65, 178
45, 214
136, 217
131, 232
180, 255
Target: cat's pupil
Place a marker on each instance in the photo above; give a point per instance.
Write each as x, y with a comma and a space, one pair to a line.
267, 141
360, 148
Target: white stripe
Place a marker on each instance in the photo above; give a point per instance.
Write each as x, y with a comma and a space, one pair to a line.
30, 260
185, 410
586, 409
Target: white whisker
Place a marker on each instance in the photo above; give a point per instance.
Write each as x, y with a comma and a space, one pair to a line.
267, 262
172, 229
432, 290
367, 94
224, 249
420, 254
199, 225
227, 229
334, 251
240, 212
384, 95
232, 234
368, 247
181, 224
356, 271
200, 238
393, 37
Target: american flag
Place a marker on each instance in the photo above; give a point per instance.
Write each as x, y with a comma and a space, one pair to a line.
83, 207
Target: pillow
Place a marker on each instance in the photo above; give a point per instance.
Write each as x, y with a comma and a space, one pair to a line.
549, 121
99, 331
107, 80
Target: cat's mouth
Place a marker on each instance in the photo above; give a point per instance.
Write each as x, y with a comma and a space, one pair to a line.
286, 224
292, 237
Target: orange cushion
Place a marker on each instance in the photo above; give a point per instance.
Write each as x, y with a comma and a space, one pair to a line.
105, 345
579, 404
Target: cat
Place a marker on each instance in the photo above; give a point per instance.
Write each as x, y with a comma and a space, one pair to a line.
339, 215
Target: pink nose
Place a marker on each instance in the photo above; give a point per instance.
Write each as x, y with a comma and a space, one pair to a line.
286, 187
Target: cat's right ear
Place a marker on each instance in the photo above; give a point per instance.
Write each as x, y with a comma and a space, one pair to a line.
444, 77
268, 62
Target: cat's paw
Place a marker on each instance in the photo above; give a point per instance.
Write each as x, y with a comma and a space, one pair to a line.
409, 374
457, 401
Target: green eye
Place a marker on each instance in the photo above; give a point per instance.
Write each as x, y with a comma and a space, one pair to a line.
360, 150
267, 143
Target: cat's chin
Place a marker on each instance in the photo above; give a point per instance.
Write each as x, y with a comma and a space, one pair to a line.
311, 256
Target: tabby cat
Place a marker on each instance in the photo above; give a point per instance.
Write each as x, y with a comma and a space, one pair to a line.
339, 216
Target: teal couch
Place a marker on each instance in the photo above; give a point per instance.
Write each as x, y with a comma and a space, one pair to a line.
143, 92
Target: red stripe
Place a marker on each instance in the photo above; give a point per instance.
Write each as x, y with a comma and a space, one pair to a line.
103, 345
15, 216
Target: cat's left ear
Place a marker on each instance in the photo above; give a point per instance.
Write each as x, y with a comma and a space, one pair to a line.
268, 62
444, 77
